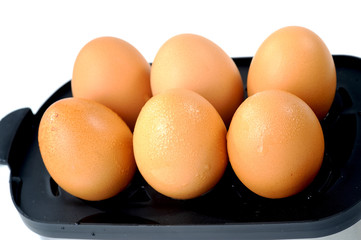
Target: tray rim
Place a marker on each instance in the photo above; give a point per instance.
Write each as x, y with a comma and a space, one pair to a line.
264, 230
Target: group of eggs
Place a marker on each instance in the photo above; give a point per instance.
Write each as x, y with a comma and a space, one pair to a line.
183, 118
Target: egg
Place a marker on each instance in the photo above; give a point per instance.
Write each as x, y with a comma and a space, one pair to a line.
112, 72
180, 144
86, 148
295, 59
196, 63
275, 144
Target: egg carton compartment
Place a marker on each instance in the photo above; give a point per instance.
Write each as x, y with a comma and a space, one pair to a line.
330, 204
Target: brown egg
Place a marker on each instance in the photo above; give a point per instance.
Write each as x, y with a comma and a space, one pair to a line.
296, 60
193, 62
180, 144
86, 148
112, 72
275, 144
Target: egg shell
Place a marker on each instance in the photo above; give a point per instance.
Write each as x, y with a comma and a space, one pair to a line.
196, 63
275, 144
180, 144
296, 60
111, 71
86, 148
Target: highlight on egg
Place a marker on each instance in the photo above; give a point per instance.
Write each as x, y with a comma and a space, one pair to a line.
296, 60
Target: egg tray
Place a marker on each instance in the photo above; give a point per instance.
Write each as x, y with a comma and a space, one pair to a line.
229, 211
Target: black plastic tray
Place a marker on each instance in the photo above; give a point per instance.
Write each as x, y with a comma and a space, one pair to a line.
229, 211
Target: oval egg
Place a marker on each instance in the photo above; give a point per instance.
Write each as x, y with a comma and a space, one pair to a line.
86, 148
296, 60
275, 144
180, 144
193, 62
111, 71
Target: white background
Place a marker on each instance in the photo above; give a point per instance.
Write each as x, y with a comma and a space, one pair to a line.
39, 41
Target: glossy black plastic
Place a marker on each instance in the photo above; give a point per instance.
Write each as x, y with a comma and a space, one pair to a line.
229, 211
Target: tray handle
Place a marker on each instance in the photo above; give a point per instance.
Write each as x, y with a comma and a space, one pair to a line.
9, 128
